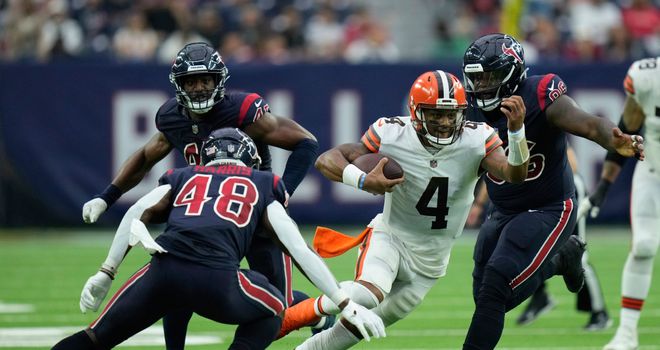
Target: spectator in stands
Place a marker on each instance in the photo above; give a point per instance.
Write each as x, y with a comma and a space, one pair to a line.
642, 21
185, 34
324, 35
375, 47
135, 41
235, 50
592, 22
209, 24
290, 23
20, 31
60, 35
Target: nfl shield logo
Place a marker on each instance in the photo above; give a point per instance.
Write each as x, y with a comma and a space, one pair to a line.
195, 129
434, 163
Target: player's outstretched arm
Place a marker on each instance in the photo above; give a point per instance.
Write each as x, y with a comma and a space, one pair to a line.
97, 286
567, 115
130, 174
287, 134
366, 321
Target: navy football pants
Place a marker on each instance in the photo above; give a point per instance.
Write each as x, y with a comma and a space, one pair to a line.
168, 283
512, 258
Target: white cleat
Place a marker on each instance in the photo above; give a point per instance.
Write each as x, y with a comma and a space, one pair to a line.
623, 340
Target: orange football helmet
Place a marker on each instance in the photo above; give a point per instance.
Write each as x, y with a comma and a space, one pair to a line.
444, 93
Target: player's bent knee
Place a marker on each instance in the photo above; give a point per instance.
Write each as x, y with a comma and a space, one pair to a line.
645, 248
399, 306
361, 294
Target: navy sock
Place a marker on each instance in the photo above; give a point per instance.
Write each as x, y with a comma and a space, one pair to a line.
175, 326
78, 341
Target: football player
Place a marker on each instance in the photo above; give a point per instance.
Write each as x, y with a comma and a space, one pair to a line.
642, 86
212, 212
590, 298
202, 105
406, 248
527, 238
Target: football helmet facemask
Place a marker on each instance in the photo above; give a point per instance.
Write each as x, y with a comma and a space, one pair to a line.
437, 107
230, 146
493, 68
194, 59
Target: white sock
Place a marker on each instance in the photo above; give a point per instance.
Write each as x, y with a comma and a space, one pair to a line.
327, 305
335, 338
635, 284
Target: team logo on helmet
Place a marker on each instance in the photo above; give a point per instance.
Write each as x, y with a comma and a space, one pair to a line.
511, 51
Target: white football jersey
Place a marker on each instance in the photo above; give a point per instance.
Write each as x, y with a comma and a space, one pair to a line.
643, 84
428, 210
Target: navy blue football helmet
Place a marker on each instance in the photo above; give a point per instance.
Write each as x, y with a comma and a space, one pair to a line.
493, 68
199, 58
230, 146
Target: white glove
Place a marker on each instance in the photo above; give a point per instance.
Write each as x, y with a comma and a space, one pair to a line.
94, 292
365, 320
93, 209
585, 207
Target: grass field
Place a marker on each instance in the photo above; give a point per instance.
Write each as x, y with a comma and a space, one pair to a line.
43, 273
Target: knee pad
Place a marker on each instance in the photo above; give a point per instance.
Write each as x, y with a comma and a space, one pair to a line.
645, 248
360, 294
399, 305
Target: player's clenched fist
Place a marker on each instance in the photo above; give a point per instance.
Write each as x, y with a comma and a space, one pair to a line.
513, 108
93, 209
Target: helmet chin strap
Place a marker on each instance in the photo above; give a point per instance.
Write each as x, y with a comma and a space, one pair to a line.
436, 141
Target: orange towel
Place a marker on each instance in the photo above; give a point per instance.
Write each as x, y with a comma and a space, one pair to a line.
330, 243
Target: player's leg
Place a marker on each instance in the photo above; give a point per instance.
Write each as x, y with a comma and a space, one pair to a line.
378, 265
242, 297
590, 297
139, 303
539, 304
175, 327
638, 270
518, 263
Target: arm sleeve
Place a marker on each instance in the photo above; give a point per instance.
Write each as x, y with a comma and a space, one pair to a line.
288, 233
120, 242
301, 159
371, 138
549, 89
251, 109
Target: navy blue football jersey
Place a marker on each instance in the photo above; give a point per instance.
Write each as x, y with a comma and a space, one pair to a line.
236, 110
549, 178
215, 211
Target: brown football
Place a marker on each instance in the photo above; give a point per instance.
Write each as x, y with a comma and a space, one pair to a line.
367, 162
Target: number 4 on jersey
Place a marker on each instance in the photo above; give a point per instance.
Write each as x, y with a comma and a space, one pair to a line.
440, 211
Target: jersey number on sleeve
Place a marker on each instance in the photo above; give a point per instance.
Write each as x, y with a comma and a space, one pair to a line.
440, 211
235, 202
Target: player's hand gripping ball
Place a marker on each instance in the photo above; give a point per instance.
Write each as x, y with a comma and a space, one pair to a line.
367, 162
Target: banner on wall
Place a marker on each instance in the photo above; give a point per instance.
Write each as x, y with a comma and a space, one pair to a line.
66, 129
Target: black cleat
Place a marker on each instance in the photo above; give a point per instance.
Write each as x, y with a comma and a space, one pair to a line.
598, 321
539, 304
568, 261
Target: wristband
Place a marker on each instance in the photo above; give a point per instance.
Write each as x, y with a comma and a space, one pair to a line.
518, 151
338, 297
352, 176
108, 270
110, 194
361, 182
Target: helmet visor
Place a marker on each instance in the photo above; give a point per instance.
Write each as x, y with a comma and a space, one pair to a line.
480, 82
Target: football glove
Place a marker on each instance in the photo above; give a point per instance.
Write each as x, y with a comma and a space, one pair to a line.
94, 292
592, 203
93, 209
365, 320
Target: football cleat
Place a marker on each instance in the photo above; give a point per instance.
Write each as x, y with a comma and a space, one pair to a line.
568, 261
539, 304
598, 321
624, 339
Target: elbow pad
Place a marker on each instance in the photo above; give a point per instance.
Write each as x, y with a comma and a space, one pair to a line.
518, 151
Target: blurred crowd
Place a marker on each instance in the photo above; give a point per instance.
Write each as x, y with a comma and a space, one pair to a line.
355, 31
